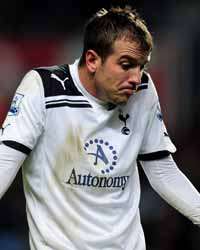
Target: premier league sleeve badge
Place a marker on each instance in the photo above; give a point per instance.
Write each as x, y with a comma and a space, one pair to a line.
15, 105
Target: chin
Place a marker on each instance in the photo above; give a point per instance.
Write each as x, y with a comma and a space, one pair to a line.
120, 101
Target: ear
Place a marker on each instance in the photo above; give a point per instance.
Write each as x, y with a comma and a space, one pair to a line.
93, 60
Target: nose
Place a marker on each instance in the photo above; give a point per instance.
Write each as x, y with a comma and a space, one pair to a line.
135, 75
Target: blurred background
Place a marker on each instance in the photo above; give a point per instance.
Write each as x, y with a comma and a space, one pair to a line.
41, 33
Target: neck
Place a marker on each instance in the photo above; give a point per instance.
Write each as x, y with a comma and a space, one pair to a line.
87, 80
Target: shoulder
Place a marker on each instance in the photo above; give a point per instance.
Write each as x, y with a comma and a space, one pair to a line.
151, 86
57, 80
30, 83
145, 95
149, 95
46, 72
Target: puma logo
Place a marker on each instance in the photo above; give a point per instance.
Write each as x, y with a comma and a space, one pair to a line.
59, 80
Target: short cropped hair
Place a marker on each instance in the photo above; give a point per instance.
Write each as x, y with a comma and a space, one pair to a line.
106, 26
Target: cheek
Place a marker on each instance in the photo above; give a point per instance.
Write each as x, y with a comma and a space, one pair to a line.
111, 78
118, 76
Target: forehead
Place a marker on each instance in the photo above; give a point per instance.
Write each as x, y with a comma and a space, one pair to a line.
124, 48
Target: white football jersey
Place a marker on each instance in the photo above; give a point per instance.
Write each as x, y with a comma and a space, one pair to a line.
81, 178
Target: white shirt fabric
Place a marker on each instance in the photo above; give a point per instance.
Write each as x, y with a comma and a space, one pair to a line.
10, 162
81, 179
173, 186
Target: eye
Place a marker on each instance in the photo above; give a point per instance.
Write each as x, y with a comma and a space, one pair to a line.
126, 66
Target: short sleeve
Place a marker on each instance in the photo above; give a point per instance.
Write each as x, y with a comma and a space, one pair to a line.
25, 120
156, 143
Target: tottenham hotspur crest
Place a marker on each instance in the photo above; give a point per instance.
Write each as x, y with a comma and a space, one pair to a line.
125, 130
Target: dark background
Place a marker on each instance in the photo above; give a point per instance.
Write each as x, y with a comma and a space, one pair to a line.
41, 33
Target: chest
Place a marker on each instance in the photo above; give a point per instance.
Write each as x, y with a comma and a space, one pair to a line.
105, 139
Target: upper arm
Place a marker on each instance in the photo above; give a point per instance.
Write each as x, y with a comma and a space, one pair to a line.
26, 118
156, 142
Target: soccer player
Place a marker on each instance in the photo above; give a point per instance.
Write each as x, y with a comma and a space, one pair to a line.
78, 131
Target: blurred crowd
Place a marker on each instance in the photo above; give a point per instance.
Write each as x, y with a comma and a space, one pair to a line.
42, 33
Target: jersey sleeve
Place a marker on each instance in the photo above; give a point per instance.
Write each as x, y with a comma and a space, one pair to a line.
25, 120
156, 143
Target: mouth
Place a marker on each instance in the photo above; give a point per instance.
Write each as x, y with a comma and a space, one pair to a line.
124, 92
127, 89
132, 86
123, 96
